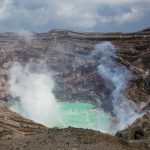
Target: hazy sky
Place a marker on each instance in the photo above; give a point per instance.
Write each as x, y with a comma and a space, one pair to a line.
81, 15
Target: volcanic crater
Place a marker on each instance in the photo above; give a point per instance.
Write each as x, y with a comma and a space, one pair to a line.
75, 61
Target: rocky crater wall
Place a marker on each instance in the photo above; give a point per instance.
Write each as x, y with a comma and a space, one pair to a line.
76, 77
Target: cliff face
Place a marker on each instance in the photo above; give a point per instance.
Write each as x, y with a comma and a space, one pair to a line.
77, 77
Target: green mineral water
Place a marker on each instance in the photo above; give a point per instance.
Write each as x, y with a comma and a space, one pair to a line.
74, 114
83, 115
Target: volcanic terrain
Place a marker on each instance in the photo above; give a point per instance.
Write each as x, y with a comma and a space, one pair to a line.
66, 53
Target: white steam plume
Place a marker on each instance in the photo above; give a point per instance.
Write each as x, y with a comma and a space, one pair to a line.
32, 87
34, 91
118, 76
26, 36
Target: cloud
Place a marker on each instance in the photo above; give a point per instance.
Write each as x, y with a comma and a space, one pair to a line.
4, 9
38, 15
132, 16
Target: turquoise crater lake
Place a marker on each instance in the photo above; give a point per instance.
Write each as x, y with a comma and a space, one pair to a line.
83, 115
74, 114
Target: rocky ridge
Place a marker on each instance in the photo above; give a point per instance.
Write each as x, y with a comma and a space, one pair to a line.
77, 77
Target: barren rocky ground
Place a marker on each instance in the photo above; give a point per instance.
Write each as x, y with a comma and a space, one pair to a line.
77, 79
70, 139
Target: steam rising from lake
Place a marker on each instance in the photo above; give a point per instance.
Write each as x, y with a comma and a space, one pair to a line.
118, 76
31, 88
34, 92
